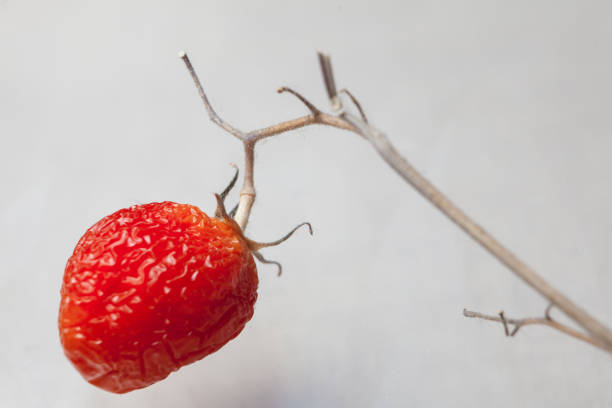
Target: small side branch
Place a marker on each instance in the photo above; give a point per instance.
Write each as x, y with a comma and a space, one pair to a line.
315, 112
356, 103
211, 112
542, 321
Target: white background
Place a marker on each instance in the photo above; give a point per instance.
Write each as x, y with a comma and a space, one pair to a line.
504, 105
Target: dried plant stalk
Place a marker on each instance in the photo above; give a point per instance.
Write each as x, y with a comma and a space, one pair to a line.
596, 333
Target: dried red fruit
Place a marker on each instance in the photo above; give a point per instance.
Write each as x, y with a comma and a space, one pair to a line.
152, 288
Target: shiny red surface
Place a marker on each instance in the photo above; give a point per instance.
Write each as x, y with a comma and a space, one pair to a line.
152, 288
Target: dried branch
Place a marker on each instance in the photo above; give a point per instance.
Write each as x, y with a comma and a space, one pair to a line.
347, 121
542, 321
247, 193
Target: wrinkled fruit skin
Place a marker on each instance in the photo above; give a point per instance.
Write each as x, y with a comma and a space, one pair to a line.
152, 288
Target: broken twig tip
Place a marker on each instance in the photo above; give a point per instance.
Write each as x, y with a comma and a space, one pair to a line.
309, 227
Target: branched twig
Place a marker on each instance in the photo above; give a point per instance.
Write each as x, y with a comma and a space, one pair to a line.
542, 321
344, 120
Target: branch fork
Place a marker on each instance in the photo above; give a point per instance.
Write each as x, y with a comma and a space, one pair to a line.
546, 320
595, 332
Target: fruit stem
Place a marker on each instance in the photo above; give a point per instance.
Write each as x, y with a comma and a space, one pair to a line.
247, 194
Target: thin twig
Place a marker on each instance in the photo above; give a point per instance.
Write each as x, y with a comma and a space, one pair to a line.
305, 101
211, 112
356, 103
518, 323
320, 119
330, 83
